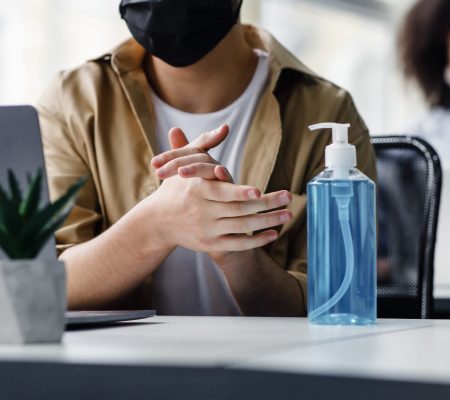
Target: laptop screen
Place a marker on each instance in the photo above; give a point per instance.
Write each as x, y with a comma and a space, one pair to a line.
21, 151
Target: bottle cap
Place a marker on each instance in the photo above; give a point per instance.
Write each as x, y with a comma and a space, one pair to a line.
339, 153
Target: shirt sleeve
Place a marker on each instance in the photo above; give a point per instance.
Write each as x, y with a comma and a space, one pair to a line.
66, 162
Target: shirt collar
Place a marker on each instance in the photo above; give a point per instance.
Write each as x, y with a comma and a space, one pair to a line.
280, 58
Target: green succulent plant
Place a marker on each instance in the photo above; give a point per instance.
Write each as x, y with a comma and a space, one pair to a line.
25, 226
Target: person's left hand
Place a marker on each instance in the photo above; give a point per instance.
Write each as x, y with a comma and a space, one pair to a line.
190, 160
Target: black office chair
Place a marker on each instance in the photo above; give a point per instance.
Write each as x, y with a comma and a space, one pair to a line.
409, 187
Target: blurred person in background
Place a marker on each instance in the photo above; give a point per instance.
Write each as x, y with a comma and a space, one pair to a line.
425, 54
175, 237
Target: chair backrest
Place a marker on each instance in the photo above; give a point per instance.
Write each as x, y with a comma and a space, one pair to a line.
408, 197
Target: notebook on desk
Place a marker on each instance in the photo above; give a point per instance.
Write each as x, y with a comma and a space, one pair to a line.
21, 151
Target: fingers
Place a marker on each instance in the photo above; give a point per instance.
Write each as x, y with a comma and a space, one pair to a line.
222, 174
245, 242
226, 191
209, 140
177, 138
266, 202
181, 147
252, 223
162, 159
198, 170
172, 167
205, 170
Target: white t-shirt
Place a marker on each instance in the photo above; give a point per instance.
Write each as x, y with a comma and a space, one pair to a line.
188, 282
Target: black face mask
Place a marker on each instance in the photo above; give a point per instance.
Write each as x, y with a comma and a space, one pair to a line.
179, 32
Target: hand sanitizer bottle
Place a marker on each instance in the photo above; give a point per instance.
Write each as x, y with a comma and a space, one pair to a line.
341, 238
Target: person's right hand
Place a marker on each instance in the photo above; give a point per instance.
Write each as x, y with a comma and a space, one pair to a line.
213, 216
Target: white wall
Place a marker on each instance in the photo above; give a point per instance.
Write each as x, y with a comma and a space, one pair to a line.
40, 37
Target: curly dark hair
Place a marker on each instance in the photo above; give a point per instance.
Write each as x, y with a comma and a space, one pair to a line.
423, 43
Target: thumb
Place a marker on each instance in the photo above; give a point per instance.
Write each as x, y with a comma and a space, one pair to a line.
209, 140
177, 138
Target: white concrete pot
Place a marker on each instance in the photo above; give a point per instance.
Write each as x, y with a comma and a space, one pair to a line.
32, 301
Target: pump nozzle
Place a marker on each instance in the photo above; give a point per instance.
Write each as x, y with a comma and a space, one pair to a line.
339, 154
339, 131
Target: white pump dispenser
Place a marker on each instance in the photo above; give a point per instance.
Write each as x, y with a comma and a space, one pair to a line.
339, 155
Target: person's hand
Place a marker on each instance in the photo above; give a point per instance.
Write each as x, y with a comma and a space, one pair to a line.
190, 160
234, 216
212, 216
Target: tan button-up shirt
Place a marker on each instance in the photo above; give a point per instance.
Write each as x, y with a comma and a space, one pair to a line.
98, 120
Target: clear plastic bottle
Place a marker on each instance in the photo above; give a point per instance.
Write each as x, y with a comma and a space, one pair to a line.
341, 239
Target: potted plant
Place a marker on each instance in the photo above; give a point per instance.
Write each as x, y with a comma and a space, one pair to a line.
32, 291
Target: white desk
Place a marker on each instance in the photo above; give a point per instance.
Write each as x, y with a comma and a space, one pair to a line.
215, 358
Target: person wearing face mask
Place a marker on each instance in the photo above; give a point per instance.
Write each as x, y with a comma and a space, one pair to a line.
424, 44
194, 135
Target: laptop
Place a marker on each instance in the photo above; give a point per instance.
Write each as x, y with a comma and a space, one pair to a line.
21, 151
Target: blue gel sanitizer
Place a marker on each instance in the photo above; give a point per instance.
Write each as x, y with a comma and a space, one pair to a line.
341, 238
